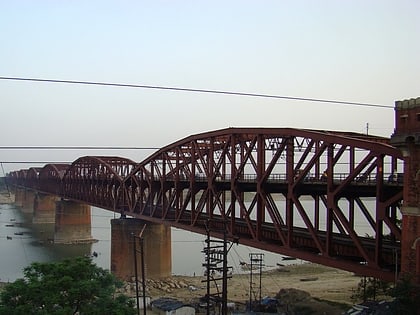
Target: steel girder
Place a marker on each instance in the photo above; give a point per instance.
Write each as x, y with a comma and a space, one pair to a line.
97, 180
32, 177
50, 178
290, 191
17, 178
322, 196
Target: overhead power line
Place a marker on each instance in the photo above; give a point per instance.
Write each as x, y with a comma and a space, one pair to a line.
181, 89
35, 162
73, 148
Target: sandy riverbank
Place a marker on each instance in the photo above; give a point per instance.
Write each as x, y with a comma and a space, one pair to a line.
6, 197
318, 282
311, 287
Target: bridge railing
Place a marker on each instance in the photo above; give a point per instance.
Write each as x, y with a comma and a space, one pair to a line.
389, 178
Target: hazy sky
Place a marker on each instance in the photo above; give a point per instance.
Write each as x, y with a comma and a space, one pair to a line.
360, 51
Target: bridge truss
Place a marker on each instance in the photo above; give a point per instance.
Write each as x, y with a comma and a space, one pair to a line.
323, 196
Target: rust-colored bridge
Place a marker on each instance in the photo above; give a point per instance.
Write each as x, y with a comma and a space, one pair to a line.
324, 196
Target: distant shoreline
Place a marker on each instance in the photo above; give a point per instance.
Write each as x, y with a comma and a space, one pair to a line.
6, 197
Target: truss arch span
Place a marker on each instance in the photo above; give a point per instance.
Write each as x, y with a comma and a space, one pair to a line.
97, 180
283, 188
51, 176
32, 177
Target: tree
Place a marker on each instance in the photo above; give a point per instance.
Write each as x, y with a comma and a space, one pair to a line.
407, 295
369, 289
73, 286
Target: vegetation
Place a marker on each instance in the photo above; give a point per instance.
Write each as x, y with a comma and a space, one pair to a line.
370, 288
73, 286
407, 296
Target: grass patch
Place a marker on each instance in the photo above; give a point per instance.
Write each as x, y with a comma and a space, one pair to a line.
343, 306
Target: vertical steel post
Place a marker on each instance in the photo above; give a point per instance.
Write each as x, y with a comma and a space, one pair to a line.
224, 284
250, 285
260, 259
208, 269
135, 273
143, 277
140, 237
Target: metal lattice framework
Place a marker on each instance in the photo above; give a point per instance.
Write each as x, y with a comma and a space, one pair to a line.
295, 192
97, 180
323, 196
51, 176
31, 177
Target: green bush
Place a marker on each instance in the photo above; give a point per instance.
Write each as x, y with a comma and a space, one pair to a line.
73, 286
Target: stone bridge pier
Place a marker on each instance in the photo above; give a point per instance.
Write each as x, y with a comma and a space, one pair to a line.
19, 196
72, 223
72, 220
44, 208
24, 198
156, 245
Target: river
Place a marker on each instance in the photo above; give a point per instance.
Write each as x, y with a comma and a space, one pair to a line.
22, 243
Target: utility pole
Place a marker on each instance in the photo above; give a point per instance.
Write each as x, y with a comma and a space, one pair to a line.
224, 273
140, 237
257, 258
208, 270
216, 253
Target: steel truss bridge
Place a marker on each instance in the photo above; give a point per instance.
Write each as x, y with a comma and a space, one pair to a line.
327, 197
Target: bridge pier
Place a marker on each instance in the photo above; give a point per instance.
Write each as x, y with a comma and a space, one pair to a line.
44, 208
19, 196
156, 246
407, 138
72, 223
28, 201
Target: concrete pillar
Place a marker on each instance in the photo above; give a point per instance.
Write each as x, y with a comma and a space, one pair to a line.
19, 196
28, 201
72, 223
156, 246
407, 138
44, 208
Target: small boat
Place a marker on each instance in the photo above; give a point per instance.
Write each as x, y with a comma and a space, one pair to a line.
18, 233
309, 279
288, 258
9, 237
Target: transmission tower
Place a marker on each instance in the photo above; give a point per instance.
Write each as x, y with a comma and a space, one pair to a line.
257, 263
217, 271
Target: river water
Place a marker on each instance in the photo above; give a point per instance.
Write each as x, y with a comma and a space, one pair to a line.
22, 243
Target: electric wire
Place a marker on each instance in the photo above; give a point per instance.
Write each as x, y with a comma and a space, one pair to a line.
75, 148
36, 162
194, 90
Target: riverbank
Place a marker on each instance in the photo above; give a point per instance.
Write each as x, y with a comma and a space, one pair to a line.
6, 197
314, 288
318, 288
319, 281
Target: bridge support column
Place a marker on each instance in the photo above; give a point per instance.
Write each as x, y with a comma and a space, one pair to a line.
72, 223
44, 208
19, 196
407, 138
156, 246
28, 201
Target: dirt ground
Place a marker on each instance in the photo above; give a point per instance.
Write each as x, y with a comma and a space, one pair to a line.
309, 288
305, 289
6, 197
